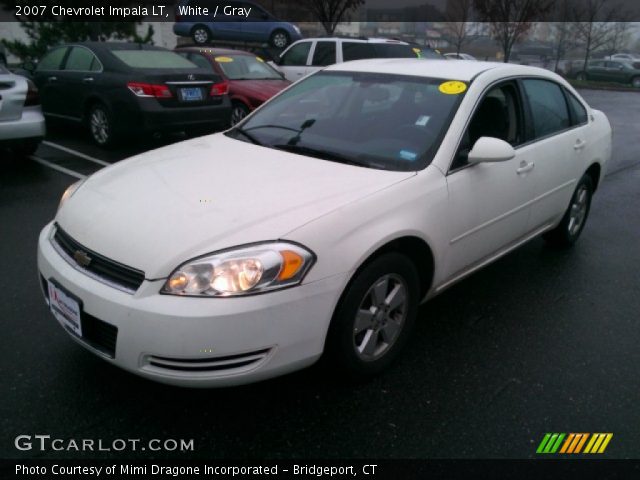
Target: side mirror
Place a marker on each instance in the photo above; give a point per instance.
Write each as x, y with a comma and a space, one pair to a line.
489, 149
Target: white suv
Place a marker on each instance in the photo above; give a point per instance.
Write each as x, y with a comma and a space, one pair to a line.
312, 54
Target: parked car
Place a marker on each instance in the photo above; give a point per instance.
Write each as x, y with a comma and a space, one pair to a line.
320, 222
118, 88
251, 80
22, 125
617, 71
236, 21
312, 54
459, 56
631, 57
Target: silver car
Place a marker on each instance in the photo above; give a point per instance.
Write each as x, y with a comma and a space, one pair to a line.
22, 125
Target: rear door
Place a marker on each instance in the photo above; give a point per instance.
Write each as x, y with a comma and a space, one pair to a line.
48, 79
79, 78
323, 55
293, 62
559, 143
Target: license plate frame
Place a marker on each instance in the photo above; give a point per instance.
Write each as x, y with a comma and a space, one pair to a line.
191, 94
65, 307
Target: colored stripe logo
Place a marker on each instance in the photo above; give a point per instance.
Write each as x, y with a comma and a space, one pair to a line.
574, 443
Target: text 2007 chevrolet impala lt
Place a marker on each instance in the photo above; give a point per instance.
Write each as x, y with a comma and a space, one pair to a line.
319, 223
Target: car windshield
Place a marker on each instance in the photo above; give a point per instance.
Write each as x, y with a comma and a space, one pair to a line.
246, 67
153, 59
383, 121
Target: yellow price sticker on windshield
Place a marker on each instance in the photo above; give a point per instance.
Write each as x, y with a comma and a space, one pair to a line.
453, 87
260, 59
224, 59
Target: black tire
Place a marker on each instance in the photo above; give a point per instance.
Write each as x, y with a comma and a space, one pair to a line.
346, 348
570, 227
238, 111
200, 35
280, 39
101, 126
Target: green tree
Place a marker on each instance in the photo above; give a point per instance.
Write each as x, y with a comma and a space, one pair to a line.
47, 31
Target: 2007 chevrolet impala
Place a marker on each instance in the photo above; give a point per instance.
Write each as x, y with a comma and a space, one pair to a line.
321, 222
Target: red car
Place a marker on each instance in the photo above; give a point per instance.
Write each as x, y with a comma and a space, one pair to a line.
251, 80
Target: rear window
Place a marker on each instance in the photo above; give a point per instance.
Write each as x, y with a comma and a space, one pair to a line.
361, 51
155, 59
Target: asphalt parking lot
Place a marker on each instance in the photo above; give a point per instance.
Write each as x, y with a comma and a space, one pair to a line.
541, 341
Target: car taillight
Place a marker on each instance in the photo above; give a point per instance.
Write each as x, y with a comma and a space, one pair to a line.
218, 89
149, 90
33, 97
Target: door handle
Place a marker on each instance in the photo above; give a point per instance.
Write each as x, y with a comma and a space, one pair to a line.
525, 167
53, 79
87, 80
580, 144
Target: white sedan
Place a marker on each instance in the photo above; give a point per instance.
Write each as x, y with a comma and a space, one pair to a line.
318, 224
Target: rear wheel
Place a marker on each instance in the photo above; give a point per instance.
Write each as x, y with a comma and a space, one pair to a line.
374, 317
280, 39
101, 126
200, 35
238, 112
571, 225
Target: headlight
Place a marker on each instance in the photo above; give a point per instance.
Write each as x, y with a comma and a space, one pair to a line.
242, 271
68, 193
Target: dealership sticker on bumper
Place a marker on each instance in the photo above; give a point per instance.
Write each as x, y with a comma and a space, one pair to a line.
65, 308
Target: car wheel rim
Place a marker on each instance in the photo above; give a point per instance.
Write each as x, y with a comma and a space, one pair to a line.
238, 114
380, 317
280, 40
200, 36
100, 126
578, 210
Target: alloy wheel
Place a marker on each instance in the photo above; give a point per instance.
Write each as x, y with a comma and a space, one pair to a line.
578, 210
237, 114
280, 40
200, 36
380, 317
100, 126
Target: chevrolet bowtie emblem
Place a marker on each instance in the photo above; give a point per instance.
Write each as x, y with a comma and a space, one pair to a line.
82, 258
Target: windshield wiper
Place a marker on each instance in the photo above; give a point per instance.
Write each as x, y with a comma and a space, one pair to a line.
322, 154
242, 132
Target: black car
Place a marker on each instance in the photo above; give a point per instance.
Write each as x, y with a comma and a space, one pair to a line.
123, 88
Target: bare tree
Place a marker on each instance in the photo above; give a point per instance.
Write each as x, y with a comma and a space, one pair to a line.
593, 29
331, 12
619, 37
563, 30
458, 14
510, 20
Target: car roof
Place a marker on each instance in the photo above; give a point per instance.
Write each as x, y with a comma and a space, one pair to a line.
214, 51
358, 40
464, 70
114, 46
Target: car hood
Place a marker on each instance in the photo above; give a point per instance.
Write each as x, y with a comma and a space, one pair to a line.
258, 89
159, 209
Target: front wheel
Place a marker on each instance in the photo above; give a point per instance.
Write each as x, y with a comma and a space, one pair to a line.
200, 35
374, 317
280, 39
238, 112
571, 225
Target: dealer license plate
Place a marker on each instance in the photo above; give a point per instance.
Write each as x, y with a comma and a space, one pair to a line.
191, 94
65, 308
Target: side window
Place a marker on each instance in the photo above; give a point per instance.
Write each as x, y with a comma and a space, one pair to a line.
53, 59
80, 59
324, 54
201, 61
578, 112
498, 115
357, 51
297, 55
548, 107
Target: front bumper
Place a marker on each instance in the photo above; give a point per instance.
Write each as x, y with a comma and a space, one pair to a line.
30, 125
201, 342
